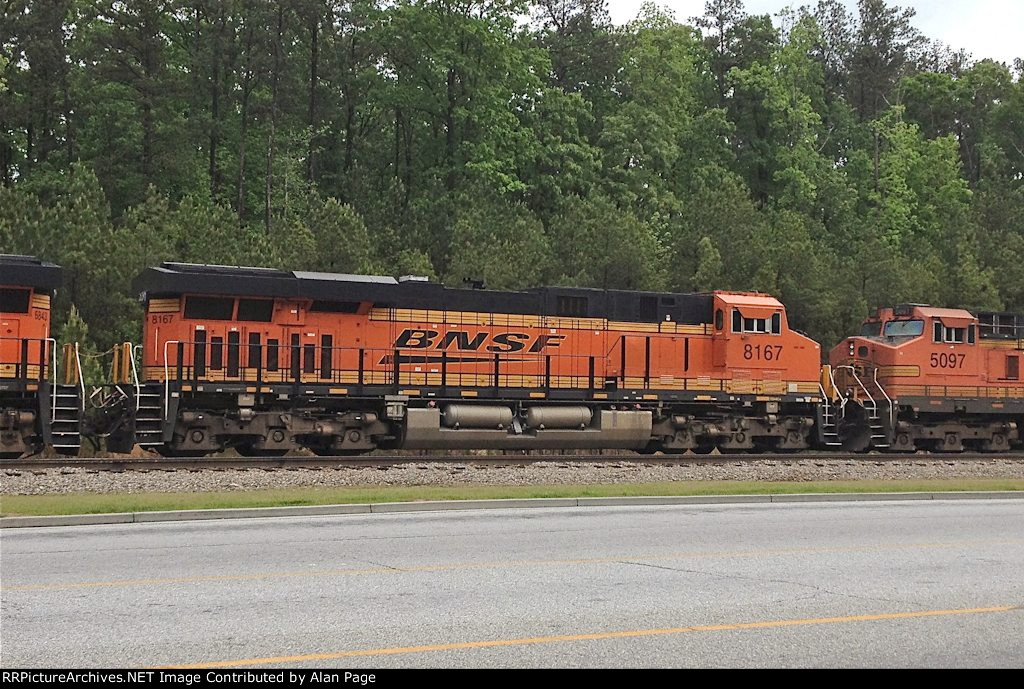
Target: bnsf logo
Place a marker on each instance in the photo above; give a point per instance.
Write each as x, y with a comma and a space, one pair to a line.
502, 342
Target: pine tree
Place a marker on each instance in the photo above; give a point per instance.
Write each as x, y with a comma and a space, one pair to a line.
708, 275
75, 331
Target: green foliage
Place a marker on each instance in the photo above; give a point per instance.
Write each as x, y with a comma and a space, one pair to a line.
501, 244
835, 160
597, 244
341, 242
74, 332
708, 275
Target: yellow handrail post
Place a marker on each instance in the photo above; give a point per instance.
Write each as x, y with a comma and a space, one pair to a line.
69, 368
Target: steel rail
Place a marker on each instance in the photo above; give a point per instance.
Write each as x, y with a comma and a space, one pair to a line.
387, 461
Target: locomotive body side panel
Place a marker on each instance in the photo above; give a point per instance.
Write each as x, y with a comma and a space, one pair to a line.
242, 349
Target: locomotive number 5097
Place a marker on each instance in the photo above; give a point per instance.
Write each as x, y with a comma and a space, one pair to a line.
945, 360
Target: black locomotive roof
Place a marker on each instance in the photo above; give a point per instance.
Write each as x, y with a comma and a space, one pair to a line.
172, 279
29, 271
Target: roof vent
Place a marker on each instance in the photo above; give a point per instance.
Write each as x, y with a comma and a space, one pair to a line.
906, 309
414, 278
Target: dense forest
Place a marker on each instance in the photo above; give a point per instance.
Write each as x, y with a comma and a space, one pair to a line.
839, 161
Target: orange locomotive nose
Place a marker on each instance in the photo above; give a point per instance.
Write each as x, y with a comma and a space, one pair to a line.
935, 379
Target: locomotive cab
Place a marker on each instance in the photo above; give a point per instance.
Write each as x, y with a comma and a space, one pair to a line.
921, 377
910, 344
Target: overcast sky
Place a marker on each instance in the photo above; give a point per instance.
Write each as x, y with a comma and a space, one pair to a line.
984, 28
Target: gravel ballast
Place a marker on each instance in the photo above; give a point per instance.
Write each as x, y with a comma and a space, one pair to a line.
63, 481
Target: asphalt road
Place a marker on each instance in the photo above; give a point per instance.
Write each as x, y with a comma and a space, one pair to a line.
890, 584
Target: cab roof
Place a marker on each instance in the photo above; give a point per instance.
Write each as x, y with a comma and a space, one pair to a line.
749, 299
29, 271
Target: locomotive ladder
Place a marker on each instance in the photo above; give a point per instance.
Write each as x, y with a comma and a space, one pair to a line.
149, 417
149, 409
831, 414
66, 420
68, 406
879, 437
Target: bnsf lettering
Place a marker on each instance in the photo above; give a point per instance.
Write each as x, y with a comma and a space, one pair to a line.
508, 342
500, 343
416, 339
462, 341
546, 341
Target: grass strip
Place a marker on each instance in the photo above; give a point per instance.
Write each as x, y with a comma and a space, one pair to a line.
96, 503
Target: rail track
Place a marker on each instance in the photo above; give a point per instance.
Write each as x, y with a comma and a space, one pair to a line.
387, 461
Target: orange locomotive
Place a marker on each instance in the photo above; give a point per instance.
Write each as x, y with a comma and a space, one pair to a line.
919, 377
34, 410
267, 361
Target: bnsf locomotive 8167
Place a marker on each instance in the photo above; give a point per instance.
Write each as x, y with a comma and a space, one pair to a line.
266, 361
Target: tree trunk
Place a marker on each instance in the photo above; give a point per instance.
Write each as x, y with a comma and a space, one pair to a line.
215, 86
350, 112
244, 123
314, 31
273, 119
449, 137
69, 132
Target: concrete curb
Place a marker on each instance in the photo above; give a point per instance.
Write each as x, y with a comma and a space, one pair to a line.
446, 505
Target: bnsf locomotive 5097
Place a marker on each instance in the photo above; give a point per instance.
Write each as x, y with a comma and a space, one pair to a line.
267, 361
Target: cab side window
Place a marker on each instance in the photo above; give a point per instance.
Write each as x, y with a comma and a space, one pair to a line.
945, 335
742, 324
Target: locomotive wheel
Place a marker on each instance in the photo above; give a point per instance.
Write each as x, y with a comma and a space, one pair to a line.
704, 447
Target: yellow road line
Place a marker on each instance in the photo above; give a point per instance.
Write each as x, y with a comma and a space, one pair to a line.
537, 640
498, 564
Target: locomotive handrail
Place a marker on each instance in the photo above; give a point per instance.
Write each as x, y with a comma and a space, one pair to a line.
135, 375
887, 398
47, 364
81, 379
853, 372
345, 366
835, 388
167, 378
53, 376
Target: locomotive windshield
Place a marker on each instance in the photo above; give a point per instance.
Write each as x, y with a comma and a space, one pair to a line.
871, 329
904, 328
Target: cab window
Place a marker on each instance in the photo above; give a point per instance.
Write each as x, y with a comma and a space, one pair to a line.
946, 335
742, 324
871, 330
904, 328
